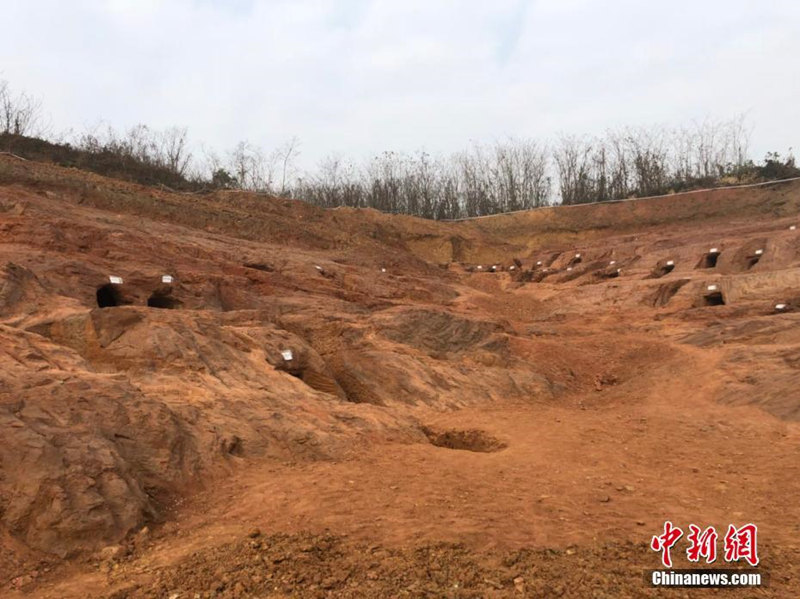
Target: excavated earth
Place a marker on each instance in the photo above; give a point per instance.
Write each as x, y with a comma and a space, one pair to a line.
345, 403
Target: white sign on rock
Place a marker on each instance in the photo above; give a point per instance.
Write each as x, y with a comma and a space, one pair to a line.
166, 278
287, 355
115, 280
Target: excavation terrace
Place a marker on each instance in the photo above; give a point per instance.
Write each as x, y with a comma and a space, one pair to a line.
371, 403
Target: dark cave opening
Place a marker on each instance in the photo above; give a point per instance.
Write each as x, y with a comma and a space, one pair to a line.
108, 296
164, 302
714, 299
709, 260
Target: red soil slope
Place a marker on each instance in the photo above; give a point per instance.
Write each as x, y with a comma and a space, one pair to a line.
440, 429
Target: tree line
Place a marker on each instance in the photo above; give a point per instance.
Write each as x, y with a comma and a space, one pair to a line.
509, 175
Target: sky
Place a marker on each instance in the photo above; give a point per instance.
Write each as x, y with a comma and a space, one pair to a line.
357, 77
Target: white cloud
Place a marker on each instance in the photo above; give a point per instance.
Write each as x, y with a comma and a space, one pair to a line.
360, 76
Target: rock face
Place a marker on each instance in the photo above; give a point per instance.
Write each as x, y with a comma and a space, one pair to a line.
117, 398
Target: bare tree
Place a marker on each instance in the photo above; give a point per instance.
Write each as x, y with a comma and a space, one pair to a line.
248, 166
173, 150
335, 183
649, 156
473, 191
572, 157
285, 157
20, 114
519, 175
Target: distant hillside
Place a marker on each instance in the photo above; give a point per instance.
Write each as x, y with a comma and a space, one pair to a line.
103, 162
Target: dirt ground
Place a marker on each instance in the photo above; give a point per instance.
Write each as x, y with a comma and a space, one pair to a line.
440, 431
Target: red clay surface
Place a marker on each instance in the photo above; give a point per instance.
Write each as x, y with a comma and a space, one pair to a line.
441, 430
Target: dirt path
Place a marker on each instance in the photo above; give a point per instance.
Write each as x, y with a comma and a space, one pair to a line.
611, 471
